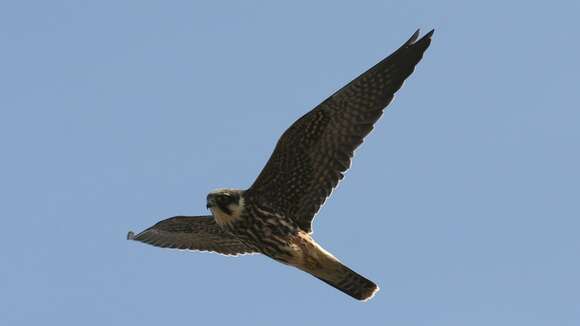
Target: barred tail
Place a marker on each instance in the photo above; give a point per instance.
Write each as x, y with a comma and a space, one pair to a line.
313, 259
350, 282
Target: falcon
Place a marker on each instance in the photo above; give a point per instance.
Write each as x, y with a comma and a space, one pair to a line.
274, 215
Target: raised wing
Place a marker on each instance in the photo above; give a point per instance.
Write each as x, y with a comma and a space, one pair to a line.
312, 155
193, 233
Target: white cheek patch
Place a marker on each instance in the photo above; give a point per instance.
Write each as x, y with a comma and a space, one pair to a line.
236, 212
236, 209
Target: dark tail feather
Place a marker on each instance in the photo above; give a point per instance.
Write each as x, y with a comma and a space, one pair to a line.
351, 283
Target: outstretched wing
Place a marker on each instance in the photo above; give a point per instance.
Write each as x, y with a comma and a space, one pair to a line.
193, 233
312, 155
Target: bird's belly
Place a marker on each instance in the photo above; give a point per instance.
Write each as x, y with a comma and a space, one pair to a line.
270, 237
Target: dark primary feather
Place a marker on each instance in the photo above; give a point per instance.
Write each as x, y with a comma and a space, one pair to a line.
193, 233
312, 155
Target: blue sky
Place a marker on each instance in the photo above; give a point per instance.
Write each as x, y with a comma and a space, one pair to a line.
463, 204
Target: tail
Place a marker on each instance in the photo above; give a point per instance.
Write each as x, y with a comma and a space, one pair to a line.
313, 259
348, 281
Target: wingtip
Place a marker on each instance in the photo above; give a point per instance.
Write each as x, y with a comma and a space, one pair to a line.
414, 37
130, 235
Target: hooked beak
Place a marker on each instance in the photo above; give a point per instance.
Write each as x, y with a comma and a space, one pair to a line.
210, 202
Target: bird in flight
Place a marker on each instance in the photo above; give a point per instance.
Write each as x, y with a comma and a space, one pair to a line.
274, 216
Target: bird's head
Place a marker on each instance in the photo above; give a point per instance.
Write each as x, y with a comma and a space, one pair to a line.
226, 205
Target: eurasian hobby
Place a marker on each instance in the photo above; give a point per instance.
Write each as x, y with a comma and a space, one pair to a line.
274, 216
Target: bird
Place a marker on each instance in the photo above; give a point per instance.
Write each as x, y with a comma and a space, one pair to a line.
274, 215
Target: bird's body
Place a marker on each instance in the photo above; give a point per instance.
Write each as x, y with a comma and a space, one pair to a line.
274, 216
281, 239
256, 226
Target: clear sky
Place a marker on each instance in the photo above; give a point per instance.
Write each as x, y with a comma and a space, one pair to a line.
463, 204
